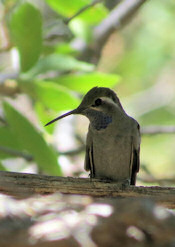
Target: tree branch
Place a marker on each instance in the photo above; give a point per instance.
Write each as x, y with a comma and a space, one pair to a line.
16, 153
82, 10
23, 185
114, 21
73, 151
154, 130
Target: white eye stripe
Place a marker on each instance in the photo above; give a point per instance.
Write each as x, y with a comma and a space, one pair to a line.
107, 99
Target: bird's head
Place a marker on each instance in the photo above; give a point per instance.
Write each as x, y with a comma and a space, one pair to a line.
99, 100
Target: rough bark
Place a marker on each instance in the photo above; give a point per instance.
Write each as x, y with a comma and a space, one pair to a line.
22, 185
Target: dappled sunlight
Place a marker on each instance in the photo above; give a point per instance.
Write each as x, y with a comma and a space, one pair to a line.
73, 220
135, 232
161, 213
61, 225
103, 210
56, 217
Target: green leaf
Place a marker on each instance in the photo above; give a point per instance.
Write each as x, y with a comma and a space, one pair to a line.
68, 8
44, 115
158, 116
83, 83
65, 48
56, 62
32, 140
54, 96
2, 168
81, 29
94, 15
8, 139
26, 32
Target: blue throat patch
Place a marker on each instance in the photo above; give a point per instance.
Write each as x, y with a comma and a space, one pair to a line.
101, 121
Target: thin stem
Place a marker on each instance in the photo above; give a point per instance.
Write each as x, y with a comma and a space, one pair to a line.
17, 153
82, 10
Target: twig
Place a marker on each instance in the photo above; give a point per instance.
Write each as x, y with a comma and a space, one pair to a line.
77, 150
82, 10
74, 151
80, 139
145, 169
29, 157
154, 130
17, 153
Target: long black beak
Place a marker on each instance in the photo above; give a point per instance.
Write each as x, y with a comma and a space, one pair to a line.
75, 111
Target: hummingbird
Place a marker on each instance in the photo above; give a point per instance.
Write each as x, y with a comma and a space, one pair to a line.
113, 138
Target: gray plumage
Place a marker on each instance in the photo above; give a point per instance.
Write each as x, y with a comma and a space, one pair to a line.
113, 139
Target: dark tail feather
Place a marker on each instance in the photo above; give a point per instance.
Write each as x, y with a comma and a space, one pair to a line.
133, 178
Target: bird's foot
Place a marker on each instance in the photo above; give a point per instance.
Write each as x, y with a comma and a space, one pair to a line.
125, 183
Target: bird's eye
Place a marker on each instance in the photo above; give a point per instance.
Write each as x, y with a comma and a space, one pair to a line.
98, 102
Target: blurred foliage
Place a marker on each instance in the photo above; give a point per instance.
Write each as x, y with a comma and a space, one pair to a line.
37, 51
49, 73
25, 26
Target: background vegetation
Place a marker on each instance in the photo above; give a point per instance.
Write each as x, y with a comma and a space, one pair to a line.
53, 52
